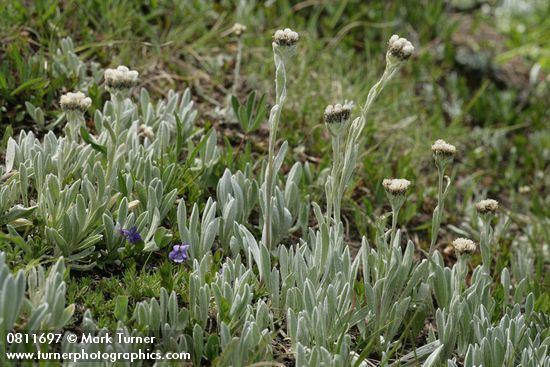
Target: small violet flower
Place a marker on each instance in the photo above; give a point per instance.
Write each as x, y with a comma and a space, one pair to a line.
132, 235
179, 253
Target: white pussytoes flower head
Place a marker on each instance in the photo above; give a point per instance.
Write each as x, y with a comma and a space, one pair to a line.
146, 132
286, 37
75, 102
487, 206
120, 78
464, 246
338, 113
238, 29
396, 186
400, 47
443, 153
444, 149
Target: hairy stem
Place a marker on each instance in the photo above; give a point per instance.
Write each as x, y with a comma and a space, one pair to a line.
237, 72
333, 197
395, 215
74, 121
275, 115
485, 244
353, 134
438, 211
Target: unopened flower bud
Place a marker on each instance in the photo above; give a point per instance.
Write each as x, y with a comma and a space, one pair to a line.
464, 246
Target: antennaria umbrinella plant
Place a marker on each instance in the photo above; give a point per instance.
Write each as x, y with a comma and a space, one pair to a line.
226, 261
284, 43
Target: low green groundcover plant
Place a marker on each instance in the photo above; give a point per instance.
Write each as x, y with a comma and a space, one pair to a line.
237, 287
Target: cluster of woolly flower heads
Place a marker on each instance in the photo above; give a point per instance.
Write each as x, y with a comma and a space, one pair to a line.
146, 132
120, 78
286, 37
464, 246
396, 186
443, 149
400, 47
238, 29
337, 113
487, 206
75, 102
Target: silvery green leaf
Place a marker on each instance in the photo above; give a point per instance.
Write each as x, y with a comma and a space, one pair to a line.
168, 202
154, 315
433, 359
529, 305
209, 235
155, 220
279, 158
265, 263
250, 245
80, 209
229, 214
182, 216
10, 154
521, 290
16, 212
318, 213
57, 240
11, 297
37, 317
31, 110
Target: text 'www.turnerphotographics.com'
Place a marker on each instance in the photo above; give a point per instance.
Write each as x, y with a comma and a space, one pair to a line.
138, 348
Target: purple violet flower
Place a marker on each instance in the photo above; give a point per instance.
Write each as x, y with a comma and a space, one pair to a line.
132, 235
179, 253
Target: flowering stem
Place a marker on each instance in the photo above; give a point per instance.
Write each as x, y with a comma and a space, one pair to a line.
438, 211
75, 121
333, 200
358, 125
460, 275
485, 244
118, 101
375, 91
237, 71
395, 214
353, 135
280, 93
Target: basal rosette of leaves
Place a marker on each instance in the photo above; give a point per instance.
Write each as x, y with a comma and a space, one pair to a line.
117, 186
